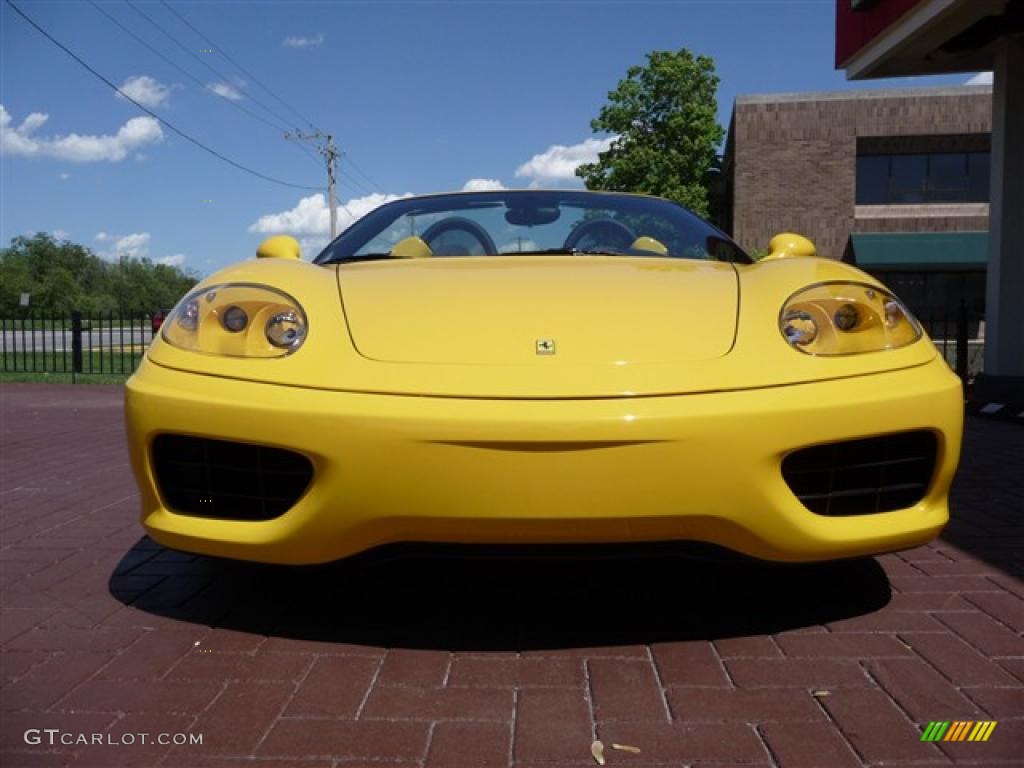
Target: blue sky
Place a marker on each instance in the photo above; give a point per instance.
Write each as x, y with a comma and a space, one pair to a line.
422, 97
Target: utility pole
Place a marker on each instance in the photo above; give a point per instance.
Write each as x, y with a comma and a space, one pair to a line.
324, 143
331, 155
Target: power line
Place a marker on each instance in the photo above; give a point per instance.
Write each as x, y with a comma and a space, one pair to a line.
354, 184
362, 173
279, 128
206, 64
305, 149
150, 112
242, 69
185, 72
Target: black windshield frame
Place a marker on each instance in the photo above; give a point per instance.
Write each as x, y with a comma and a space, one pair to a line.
351, 240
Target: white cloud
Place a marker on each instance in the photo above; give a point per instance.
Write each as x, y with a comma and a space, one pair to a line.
982, 78
482, 185
226, 90
19, 141
60, 234
311, 216
63, 176
135, 245
145, 90
518, 245
313, 245
77, 148
299, 41
172, 261
558, 163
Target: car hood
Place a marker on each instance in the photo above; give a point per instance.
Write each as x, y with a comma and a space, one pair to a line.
543, 312
626, 327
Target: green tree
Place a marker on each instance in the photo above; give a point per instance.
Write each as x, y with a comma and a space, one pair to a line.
662, 116
63, 276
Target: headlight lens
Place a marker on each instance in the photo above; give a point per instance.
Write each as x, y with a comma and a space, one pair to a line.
846, 319
187, 315
236, 319
799, 328
285, 330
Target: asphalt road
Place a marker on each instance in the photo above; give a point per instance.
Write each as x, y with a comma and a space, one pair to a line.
29, 340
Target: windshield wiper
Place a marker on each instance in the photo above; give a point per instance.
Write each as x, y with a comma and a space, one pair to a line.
586, 252
360, 257
538, 252
565, 252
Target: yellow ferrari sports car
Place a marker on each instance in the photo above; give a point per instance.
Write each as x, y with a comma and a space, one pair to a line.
524, 367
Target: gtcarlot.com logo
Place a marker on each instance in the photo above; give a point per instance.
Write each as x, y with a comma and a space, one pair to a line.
958, 730
54, 736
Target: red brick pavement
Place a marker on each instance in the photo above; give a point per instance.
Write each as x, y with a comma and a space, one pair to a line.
441, 662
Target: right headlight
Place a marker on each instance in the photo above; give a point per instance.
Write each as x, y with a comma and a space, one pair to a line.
846, 319
237, 320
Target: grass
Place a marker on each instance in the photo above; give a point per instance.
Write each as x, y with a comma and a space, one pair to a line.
62, 378
99, 366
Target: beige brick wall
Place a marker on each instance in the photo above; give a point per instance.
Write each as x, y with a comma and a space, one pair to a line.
794, 159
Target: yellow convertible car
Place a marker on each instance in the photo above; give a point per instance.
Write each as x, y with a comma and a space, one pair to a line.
520, 367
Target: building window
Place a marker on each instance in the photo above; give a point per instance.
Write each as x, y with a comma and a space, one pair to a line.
895, 179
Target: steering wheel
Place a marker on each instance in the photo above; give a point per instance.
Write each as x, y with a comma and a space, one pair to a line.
459, 224
601, 232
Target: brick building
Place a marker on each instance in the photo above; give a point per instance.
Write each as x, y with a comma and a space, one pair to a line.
900, 38
895, 181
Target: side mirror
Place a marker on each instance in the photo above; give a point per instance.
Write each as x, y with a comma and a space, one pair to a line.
789, 244
279, 247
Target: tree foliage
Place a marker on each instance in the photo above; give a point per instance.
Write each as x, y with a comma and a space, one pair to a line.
62, 276
663, 118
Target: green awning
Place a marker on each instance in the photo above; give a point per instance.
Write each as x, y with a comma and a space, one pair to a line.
920, 250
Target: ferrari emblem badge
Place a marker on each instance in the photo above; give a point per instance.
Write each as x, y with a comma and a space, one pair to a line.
545, 346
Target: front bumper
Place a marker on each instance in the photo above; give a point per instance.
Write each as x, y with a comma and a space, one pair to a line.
702, 467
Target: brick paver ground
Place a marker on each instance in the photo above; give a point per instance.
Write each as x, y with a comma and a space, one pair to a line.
456, 663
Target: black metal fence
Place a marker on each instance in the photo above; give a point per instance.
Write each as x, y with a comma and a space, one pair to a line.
960, 337
113, 343
75, 343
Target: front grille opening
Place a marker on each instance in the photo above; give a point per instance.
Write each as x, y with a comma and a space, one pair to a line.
228, 480
862, 477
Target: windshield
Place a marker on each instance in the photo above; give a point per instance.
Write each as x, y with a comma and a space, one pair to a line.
510, 223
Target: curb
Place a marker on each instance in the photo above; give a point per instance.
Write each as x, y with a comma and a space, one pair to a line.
997, 411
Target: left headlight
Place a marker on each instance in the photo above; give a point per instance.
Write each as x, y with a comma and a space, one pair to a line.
846, 319
237, 320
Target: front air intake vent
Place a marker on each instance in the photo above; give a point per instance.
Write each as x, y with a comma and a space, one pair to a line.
228, 480
862, 477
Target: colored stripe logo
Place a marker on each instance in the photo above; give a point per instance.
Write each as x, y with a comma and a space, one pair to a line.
959, 730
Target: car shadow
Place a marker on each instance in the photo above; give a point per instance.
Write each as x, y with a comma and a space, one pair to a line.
985, 502
458, 603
